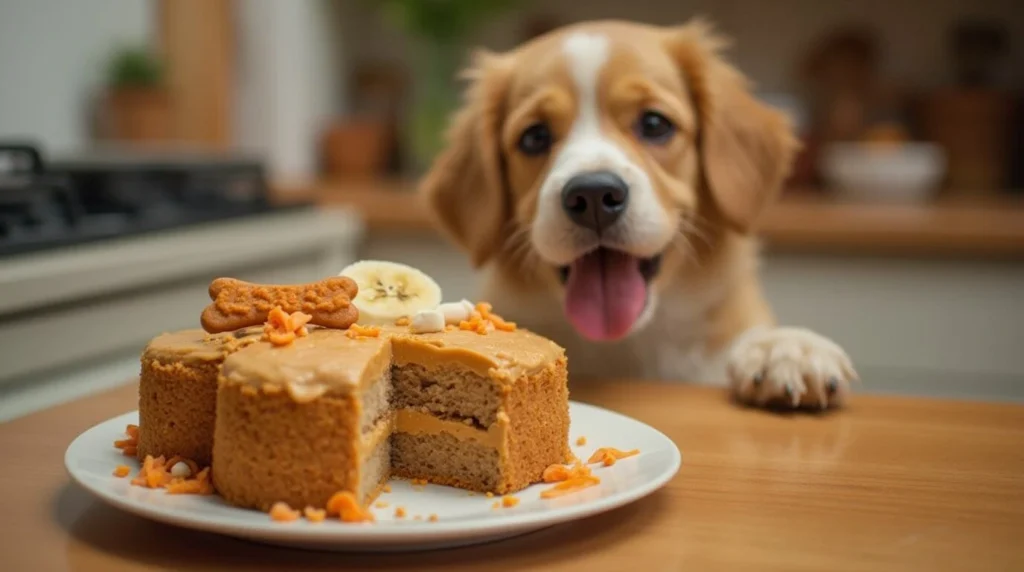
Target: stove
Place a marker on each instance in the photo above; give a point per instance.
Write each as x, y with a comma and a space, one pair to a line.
48, 204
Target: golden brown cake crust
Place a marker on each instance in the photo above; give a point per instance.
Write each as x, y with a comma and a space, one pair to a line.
178, 391
269, 448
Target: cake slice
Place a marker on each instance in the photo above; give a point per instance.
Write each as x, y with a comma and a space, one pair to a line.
299, 423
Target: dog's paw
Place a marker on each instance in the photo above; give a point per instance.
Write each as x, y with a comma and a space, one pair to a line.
790, 367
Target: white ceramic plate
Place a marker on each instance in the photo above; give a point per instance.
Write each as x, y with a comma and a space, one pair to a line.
462, 519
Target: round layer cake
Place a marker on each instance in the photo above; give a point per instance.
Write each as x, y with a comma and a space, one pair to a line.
178, 391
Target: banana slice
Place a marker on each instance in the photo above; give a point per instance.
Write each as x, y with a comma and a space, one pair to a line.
389, 291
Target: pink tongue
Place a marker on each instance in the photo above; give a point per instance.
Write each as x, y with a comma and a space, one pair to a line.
605, 294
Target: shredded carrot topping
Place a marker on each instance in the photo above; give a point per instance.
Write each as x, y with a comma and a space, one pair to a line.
156, 474
282, 328
356, 331
509, 501
403, 321
569, 479
570, 486
129, 447
344, 504
400, 512
609, 455
314, 514
281, 512
484, 320
122, 471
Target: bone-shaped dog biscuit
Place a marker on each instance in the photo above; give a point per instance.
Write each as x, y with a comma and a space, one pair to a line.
237, 304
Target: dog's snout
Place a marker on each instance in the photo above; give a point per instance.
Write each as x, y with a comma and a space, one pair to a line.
595, 200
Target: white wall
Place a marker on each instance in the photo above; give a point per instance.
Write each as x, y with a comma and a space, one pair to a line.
290, 82
52, 58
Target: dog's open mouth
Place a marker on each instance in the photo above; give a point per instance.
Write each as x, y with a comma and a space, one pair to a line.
606, 291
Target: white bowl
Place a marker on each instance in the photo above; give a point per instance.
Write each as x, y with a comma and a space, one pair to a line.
903, 172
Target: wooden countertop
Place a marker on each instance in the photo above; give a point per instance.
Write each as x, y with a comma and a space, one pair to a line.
984, 227
888, 484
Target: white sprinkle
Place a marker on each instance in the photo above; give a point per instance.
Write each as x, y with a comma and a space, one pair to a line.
469, 306
455, 312
180, 470
427, 321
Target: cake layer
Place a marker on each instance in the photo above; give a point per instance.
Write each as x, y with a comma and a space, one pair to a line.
413, 422
446, 460
446, 390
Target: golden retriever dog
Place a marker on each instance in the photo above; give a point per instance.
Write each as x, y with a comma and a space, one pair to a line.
607, 177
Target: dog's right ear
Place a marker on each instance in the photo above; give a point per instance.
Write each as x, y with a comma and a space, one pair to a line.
465, 187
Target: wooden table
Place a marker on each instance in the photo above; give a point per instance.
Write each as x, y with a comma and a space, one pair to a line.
888, 484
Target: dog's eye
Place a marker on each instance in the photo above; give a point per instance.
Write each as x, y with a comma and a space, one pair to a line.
654, 127
536, 140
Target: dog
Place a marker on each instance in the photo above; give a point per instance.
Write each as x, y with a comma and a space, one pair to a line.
607, 178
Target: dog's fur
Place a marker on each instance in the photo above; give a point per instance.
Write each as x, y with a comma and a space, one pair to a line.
694, 200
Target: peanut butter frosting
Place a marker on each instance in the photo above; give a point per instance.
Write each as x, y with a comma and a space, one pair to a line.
198, 346
497, 354
324, 361
330, 360
416, 422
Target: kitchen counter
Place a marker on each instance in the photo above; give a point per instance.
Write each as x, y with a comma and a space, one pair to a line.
887, 484
983, 227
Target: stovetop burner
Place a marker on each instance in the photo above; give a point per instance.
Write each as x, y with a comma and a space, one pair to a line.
45, 205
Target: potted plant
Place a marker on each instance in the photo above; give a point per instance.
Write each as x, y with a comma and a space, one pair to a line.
137, 102
439, 30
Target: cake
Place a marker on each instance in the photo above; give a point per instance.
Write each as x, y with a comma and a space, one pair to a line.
333, 412
178, 391
312, 396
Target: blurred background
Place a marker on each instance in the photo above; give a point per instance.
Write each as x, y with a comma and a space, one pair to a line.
148, 146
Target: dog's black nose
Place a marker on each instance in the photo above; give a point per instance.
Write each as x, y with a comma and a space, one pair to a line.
595, 200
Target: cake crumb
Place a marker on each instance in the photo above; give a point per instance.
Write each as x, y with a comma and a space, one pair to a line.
122, 471
496, 505
315, 514
509, 501
432, 518
380, 504
400, 512
581, 441
356, 331
403, 321
490, 494
609, 455
281, 512
387, 488
419, 482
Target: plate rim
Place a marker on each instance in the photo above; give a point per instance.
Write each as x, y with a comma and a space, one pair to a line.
376, 534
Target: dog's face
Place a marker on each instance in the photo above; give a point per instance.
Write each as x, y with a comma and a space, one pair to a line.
593, 159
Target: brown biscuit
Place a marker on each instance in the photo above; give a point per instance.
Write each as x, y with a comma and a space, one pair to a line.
238, 304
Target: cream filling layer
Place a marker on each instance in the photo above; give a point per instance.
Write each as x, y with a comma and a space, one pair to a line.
416, 422
373, 438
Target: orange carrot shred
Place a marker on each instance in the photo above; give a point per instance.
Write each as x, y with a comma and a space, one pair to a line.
344, 504
315, 514
281, 512
609, 455
122, 471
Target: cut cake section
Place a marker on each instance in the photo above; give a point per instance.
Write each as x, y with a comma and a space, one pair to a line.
298, 424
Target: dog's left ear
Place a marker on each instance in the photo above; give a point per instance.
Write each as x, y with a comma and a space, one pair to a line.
465, 187
747, 148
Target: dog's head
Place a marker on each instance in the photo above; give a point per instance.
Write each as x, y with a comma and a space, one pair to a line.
587, 157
